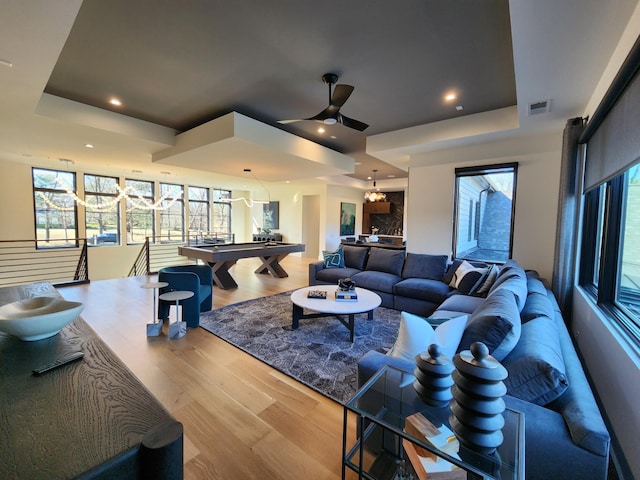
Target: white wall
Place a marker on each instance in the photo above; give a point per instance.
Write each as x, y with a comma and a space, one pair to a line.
432, 187
614, 367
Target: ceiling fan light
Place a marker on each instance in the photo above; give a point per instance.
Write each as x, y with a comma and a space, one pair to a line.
330, 121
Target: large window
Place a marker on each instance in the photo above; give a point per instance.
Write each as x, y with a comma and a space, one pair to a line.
55, 209
102, 218
198, 210
172, 213
483, 212
221, 211
140, 215
610, 257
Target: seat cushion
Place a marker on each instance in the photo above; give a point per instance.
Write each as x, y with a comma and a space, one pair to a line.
332, 275
386, 260
422, 289
496, 323
461, 303
374, 280
418, 265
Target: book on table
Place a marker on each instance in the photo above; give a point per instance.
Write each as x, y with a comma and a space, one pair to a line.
317, 294
346, 296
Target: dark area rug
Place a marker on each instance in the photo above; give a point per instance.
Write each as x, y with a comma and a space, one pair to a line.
318, 354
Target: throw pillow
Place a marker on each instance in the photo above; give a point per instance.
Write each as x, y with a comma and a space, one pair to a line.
536, 367
333, 259
488, 280
467, 278
496, 323
416, 334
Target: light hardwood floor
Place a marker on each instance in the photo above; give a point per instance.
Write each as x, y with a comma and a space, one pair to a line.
242, 419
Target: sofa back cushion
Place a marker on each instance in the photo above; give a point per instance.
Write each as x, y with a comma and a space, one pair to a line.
420, 265
386, 260
536, 366
355, 257
512, 278
496, 323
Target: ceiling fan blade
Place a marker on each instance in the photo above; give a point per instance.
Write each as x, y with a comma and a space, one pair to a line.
285, 122
351, 123
340, 95
330, 111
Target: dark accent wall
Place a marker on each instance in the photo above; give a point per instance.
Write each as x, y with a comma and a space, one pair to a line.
388, 223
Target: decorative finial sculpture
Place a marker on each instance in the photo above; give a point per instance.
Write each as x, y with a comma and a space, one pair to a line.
433, 377
477, 405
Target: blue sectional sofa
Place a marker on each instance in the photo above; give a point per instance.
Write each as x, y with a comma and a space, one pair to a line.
518, 318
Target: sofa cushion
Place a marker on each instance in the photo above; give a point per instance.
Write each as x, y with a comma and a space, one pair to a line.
496, 323
492, 274
416, 334
332, 275
333, 259
419, 265
385, 260
537, 305
536, 365
514, 280
422, 289
460, 303
355, 257
451, 270
467, 277
375, 280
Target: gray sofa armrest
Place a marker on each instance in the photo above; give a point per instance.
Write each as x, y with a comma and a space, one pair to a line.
314, 268
577, 404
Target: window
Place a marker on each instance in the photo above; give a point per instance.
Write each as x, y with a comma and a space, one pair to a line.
483, 212
221, 211
140, 217
198, 210
172, 213
102, 203
56, 213
610, 256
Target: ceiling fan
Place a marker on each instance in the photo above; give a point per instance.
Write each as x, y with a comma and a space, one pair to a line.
331, 114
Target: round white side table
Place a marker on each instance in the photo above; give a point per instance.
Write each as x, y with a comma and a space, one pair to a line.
178, 329
154, 328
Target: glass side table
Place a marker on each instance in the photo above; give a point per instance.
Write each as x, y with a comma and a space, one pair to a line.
385, 450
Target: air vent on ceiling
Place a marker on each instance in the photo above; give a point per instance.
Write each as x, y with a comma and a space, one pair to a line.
543, 106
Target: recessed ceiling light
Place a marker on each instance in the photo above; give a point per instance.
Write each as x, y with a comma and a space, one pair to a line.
368, 178
115, 101
451, 96
357, 163
321, 130
6, 63
391, 176
89, 145
333, 137
459, 108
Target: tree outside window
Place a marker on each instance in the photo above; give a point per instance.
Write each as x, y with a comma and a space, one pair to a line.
198, 210
172, 213
140, 218
483, 212
221, 211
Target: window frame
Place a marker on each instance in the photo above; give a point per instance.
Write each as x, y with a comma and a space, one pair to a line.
473, 230
149, 199
58, 191
199, 203
167, 212
605, 291
226, 206
115, 194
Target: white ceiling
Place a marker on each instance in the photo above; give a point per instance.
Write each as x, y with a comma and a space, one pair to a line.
560, 51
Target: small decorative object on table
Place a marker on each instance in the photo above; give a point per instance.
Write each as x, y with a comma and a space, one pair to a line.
322, 294
346, 284
433, 377
477, 405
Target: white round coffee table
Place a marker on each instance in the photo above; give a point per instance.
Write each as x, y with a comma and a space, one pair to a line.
367, 301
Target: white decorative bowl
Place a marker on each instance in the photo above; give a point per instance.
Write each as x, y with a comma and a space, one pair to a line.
38, 317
